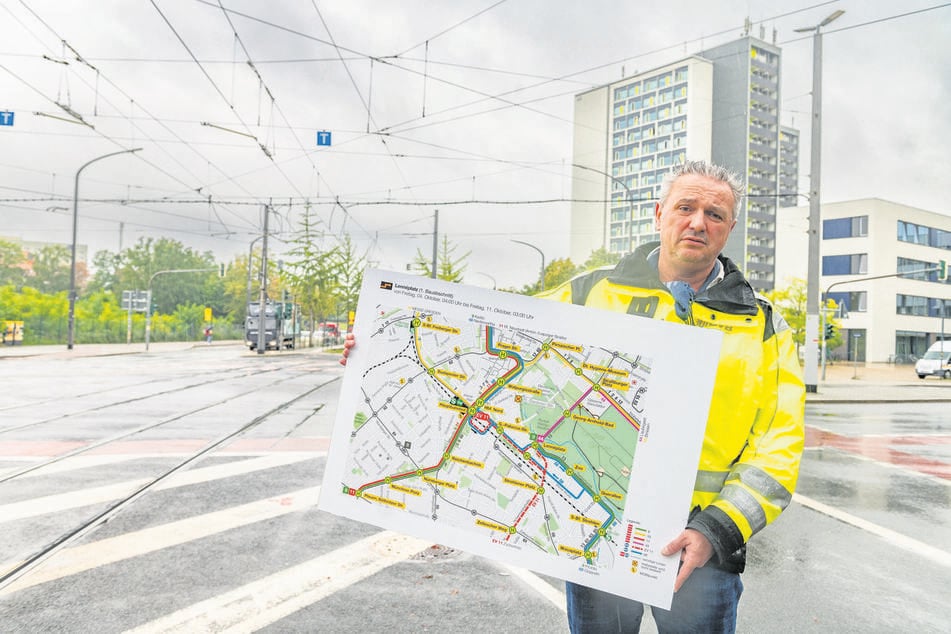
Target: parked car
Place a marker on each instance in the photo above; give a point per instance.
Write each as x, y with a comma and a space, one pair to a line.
936, 362
328, 333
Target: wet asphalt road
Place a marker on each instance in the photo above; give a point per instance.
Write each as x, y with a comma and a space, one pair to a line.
235, 539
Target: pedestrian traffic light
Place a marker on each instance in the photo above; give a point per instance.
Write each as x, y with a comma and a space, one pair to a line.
942, 270
830, 331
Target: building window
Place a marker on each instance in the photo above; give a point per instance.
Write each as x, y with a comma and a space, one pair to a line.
911, 305
919, 270
855, 302
854, 227
850, 264
919, 234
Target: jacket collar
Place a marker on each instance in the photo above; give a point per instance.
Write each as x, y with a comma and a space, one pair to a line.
733, 294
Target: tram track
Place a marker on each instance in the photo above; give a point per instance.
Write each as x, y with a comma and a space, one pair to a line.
81, 529
144, 428
233, 374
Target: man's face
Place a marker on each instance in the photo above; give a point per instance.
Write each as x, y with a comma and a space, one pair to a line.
694, 223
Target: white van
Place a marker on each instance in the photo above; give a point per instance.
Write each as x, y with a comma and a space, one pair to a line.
936, 362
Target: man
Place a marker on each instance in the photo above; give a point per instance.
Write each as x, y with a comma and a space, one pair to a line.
749, 462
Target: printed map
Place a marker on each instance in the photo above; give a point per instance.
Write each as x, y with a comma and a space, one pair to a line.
522, 441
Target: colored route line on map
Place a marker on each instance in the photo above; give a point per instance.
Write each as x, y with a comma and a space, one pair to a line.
469, 415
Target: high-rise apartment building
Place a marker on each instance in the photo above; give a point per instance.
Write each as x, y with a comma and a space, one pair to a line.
721, 105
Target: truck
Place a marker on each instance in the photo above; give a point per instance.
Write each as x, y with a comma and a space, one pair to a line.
936, 362
281, 325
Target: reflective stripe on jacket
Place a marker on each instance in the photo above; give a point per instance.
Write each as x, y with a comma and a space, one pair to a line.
749, 462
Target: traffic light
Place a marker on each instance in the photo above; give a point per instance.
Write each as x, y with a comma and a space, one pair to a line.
221, 269
942, 270
830, 331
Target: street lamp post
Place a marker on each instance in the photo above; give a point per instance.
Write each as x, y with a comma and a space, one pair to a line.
71, 319
542, 276
250, 256
494, 285
148, 307
810, 370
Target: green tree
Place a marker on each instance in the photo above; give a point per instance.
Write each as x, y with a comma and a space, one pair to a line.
12, 260
350, 268
237, 289
311, 273
791, 302
141, 262
107, 265
600, 257
556, 272
449, 266
51, 268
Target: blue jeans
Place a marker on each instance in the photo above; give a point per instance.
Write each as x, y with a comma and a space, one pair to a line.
706, 603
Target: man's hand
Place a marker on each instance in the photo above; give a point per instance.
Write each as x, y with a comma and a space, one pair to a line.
348, 342
695, 551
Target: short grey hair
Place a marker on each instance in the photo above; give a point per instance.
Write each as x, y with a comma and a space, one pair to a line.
702, 168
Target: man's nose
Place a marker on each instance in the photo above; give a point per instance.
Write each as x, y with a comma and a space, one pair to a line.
698, 220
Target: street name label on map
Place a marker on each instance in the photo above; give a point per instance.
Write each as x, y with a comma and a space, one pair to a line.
545, 435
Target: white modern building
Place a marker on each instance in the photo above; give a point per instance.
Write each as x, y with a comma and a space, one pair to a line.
887, 319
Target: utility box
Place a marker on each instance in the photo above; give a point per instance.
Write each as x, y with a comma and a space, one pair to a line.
12, 333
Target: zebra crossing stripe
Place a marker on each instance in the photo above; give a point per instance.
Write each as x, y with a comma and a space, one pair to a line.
78, 559
894, 538
265, 601
99, 495
539, 585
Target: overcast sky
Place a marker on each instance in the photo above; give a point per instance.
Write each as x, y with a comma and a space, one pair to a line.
482, 113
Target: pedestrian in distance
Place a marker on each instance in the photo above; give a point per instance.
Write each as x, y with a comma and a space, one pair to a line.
209, 332
749, 461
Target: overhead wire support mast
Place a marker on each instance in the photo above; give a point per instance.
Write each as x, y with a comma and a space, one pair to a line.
262, 297
811, 352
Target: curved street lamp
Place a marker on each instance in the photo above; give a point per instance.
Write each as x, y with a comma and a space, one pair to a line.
630, 195
72, 265
542, 276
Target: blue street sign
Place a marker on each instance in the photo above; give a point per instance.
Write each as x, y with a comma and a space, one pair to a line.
6, 118
323, 137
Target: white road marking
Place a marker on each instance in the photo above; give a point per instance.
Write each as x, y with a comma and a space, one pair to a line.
266, 601
78, 559
904, 469
107, 493
539, 585
69, 464
894, 538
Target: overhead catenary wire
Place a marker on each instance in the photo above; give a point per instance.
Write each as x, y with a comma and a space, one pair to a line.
453, 26
274, 103
431, 115
151, 116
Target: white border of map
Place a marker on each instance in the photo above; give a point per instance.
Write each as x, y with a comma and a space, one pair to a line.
501, 462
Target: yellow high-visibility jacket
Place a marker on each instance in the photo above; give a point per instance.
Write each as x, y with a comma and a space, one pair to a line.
749, 462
